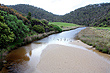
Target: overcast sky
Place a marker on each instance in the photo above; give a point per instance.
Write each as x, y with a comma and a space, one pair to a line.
59, 7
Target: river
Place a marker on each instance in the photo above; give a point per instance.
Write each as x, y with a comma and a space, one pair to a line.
34, 58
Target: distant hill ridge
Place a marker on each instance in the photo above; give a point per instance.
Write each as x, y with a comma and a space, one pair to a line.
89, 15
36, 12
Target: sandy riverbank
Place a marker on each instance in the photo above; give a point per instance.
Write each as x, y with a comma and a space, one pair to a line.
63, 59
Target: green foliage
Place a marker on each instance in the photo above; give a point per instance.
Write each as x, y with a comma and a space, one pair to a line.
3, 13
109, 52
57, 28
104, 50
29, 16
13, 12
11, 18
2, 18
101, 25
36, 22
105, 25
44, 21
6, 36
51, 29
17, 26
30, 26
39, 28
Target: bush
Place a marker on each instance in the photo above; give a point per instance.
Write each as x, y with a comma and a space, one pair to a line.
2, 18
51, 29
29, 16
44, 21
57, 28
104, 50
61, 26
105, 25
108, 45
39, 28
36, 22
30, 26
101, 25
6, 36
109, 52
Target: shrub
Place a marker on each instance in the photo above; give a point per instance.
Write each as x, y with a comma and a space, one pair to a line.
109, 52
100, 50
51, 29
36, 22
6, 36
39, 28
104, 50
2, 18
101, 25
57, 28
108, 45
29, 16
105, 25
30, 26
97, 48
44, 21
61, 26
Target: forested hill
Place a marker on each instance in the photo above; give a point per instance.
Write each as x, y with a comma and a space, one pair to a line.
36, 12
89, 15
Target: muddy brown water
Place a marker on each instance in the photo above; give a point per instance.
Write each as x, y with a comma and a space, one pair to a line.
25, 59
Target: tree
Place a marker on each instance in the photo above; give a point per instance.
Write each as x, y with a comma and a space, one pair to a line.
29, 16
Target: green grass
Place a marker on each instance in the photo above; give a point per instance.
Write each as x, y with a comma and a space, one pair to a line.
108, 28
63, 24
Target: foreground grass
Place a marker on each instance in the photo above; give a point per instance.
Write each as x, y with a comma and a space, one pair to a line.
62, 24
100, 39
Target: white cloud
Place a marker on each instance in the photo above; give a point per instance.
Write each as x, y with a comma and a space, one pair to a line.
55, 6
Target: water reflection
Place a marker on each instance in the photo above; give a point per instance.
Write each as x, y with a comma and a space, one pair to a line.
18, 55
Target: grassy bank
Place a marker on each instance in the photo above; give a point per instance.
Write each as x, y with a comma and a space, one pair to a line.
98, 38
62, 24
65, 26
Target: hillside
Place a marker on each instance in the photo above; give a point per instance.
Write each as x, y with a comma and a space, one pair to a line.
36, 12
87, 15
15, 27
